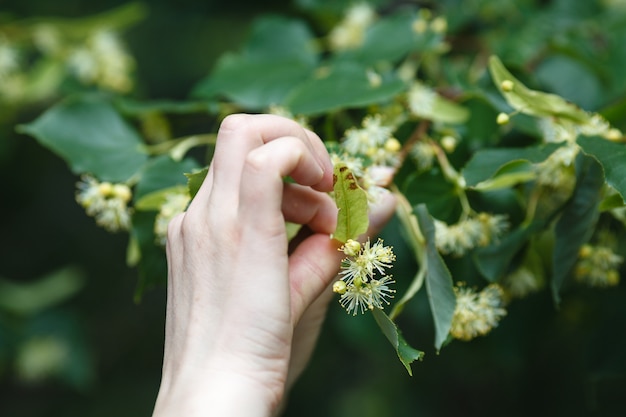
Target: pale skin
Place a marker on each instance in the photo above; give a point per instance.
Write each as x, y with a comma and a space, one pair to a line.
244, 307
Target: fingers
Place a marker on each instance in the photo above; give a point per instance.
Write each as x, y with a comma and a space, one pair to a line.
239, 135
305, 206
312, 266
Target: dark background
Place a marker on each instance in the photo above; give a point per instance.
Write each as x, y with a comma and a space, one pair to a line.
538, 362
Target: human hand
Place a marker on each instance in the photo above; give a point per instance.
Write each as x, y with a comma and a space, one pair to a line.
244, 309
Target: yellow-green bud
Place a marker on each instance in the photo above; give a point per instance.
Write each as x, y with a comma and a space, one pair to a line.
449, 143
393, 145
419, 26
122, 192
105, 189
507, 85
439, 24
614, 134
612, 277
340, 287
502, 119
351, 248
585, 251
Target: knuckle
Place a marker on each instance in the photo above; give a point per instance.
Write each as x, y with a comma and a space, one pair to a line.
234, 122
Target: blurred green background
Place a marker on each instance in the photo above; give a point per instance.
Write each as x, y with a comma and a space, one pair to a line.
98, 353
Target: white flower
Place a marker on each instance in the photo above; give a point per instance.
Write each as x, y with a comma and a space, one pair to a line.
475, 313
106, 202
521, 282
557, 170
373, 140
102, 61
174, 204
465, 235
598, 266
350, 32
423, 153
360, 287
421, 100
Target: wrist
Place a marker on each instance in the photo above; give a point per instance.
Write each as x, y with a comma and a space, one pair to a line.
221, 393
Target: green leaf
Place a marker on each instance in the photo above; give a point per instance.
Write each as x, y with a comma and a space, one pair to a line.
163, 172
439, 284
439, 195
493, 261
279, 55
342, 85
389, 39
91, 137
533, 102
195, 180
33, 297
154, 200
406, 353
351, 200
577, 221
509, 175
612, 157
487, 163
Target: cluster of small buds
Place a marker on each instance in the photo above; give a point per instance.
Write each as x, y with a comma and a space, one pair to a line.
424, 21
521, 282
350, 32
373, 140
479, 230
103, 61
598, 266
106, 202
174, 204
476, 313
364, 284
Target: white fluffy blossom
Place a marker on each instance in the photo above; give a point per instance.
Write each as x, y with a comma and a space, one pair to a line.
106, 202
350, 32
360, 287
476, 313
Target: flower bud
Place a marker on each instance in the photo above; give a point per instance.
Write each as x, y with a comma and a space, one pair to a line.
351, 248
507, 85
393, 145
448, 143
122, 192
105, 189
502, 119
340, 287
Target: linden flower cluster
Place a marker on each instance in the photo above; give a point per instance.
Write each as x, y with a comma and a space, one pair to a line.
521, 282
359, 287
106, 202
470, 233
597, 266
476, 313
175, 203
371, 153
350, 32
374, 140
421, 100
558, 170
103, 61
